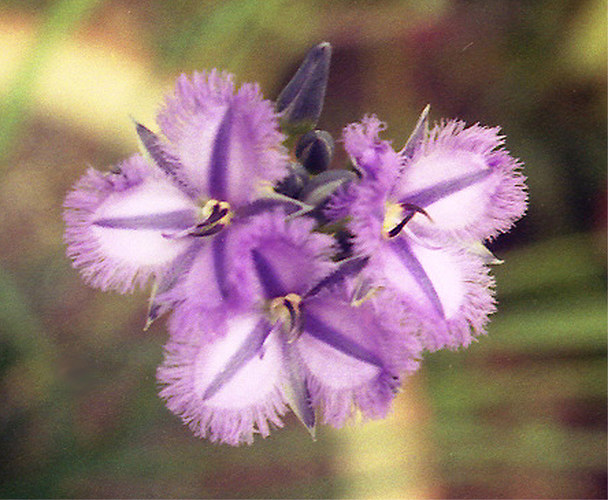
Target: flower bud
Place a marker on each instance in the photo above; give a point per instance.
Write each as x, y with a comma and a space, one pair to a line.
301, 101
315, 150
293, 183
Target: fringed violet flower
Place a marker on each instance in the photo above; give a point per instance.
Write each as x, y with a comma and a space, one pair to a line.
272, 307
417, 214
155, 218
296, 340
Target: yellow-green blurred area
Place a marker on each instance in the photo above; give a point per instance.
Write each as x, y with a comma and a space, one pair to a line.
520, 414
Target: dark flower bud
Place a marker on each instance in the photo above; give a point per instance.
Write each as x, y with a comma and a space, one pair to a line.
292, 184
315, 150
301, 101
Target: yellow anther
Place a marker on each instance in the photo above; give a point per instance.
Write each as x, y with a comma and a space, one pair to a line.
294, 299
286, 310
216, 211
393, 215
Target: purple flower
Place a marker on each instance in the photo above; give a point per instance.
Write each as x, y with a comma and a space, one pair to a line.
271, 307
155, 218
296, 339
419, 213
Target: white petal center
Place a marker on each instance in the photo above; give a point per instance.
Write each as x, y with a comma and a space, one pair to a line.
141, 247
455, 210
254, 382
442, 269
332, 367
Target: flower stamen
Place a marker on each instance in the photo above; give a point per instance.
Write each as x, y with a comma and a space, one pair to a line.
395, 220
215, 215
286, 310
215, 212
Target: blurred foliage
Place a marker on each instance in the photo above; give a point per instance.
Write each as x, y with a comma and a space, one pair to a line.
521, 413
528, 402
60, 21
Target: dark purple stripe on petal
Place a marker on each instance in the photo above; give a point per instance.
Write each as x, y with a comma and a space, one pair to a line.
403, 250
349, 267
316, 328
218, 250
272, 285
178, 220
245, 353
168, 163
218, 162
427, 196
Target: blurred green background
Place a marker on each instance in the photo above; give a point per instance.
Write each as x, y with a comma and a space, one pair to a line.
522, 413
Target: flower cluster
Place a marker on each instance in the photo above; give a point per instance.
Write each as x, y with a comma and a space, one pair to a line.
290, 285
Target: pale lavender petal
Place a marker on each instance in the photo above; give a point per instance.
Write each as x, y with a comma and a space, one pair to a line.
468, 184
205, 288
333, 337
227, 141
402, 249
374, 158
448, 290
219, 265
341, 201
272, 257
366, 216
346, 269
168, 221
218, 401
347, 354
443, 189
250, 347
115, 224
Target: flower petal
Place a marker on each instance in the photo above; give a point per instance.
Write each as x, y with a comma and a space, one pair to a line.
204, 288
226, 387
345, 353
372, 157
116, 224
447, 289
271, 257
346, 269
467, 183
226, 142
